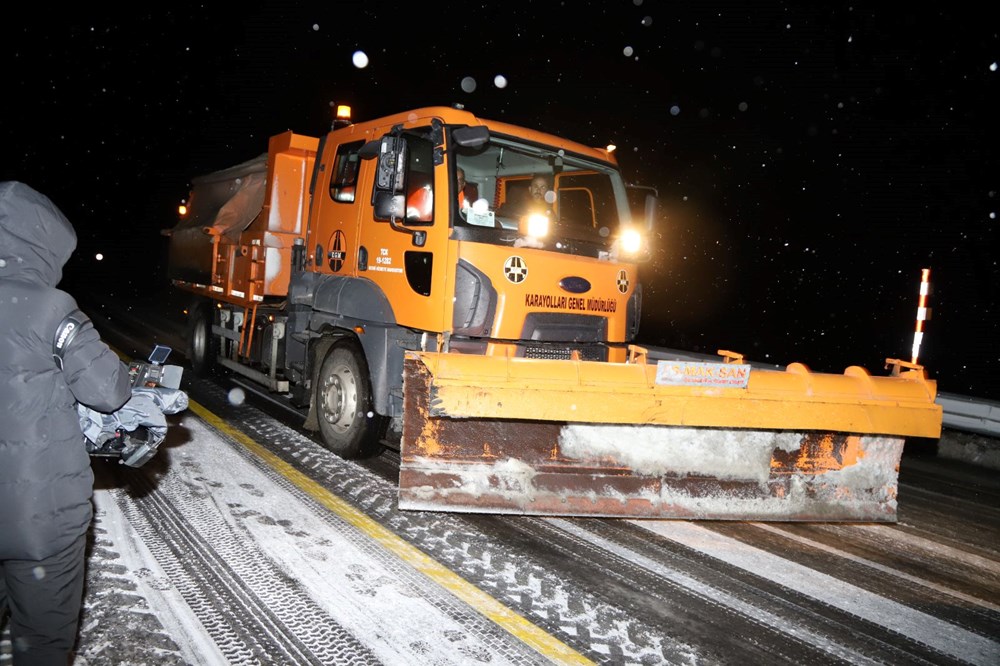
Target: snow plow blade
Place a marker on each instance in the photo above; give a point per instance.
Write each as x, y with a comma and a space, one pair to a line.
705, 441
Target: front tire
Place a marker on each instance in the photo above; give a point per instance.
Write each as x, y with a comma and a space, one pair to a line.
203, 347
345, 410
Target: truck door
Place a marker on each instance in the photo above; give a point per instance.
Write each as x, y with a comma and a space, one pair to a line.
403, 239
333, 240
402, 251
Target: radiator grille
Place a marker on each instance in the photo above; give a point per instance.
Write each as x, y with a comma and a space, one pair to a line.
556, 352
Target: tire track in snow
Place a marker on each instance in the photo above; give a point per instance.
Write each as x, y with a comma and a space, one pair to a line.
254, 614
327, 552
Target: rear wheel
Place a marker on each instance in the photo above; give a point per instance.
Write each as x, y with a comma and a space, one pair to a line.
348, 423
203, 347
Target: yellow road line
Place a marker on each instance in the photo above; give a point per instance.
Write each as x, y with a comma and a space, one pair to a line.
541, 641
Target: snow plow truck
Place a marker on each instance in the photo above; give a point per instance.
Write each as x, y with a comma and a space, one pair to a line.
397, 281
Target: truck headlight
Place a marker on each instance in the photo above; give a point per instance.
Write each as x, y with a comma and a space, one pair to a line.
535, 225
631, 241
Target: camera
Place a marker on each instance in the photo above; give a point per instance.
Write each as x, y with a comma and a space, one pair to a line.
133, 433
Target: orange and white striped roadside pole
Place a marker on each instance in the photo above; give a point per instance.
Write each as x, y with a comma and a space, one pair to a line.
923, 312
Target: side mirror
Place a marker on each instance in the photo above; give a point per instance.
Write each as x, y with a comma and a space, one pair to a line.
650, 203
652, 210
370, 150
391, 164
392, 156
471, 137
389, 199
389, 206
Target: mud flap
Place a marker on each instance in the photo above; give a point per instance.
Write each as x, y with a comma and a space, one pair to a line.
456, 457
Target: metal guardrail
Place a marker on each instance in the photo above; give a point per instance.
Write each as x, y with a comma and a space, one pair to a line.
970, 414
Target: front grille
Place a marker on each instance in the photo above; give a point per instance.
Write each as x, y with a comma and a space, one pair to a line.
557, 352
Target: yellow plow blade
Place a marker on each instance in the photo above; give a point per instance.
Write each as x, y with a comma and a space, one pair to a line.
673, 440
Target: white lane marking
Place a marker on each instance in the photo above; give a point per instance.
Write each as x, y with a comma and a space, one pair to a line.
915, 625
880, 567
718, 596
935, 548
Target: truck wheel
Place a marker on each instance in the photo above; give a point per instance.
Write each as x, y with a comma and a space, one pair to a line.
344, 405
203, 347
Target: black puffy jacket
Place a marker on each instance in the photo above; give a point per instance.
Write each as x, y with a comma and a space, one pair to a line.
46, 482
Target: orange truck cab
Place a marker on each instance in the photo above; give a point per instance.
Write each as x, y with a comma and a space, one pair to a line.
316, 266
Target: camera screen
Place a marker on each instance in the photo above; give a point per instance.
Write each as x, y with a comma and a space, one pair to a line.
159, 354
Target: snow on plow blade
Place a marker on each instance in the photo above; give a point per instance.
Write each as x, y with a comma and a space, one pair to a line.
719, 441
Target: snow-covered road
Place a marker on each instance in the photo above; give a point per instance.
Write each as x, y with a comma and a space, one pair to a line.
244, 542
239, 569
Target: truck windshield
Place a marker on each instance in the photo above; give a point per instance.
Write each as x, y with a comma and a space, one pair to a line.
513, 193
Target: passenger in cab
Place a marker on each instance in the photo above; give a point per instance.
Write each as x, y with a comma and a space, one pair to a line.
467, 192
538, 188
532, 199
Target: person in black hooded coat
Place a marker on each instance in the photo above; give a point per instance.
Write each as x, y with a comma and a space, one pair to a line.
46, 482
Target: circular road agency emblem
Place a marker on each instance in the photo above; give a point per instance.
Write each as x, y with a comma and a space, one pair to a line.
515, 270
622, 281
338, 251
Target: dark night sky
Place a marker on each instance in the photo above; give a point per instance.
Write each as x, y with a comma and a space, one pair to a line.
811, 157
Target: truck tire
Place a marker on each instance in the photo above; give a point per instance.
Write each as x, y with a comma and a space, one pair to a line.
348, 423
203, 347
